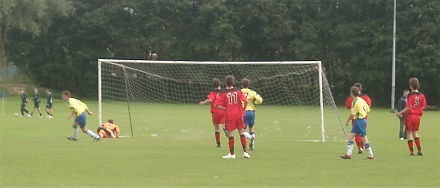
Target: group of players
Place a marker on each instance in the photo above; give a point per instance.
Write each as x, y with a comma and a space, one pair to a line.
36, 100
234, 108
78, 110
360, 104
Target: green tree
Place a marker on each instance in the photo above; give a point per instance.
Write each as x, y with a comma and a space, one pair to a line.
28, 15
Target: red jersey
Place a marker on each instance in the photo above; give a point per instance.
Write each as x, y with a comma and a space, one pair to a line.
416, 102
213, 97
349, 100
231, 100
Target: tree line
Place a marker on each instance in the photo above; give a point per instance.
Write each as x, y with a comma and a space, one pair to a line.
59, 41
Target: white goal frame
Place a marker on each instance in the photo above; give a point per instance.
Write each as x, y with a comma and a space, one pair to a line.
317, 63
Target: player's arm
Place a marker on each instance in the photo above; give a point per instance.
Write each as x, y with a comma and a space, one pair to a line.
258, 98
71, 114
85, 107
117, 131
219, 103
205, 101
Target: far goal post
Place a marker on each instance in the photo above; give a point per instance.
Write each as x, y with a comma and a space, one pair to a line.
146, 97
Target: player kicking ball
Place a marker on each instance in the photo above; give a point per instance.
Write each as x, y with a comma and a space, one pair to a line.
359, 112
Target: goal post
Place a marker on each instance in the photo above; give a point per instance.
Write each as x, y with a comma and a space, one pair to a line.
145, 95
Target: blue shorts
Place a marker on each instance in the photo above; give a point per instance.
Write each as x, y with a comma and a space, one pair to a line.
359, 127
81, 120
249, 118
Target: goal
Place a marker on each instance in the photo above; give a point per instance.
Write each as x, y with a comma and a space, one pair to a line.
160, 98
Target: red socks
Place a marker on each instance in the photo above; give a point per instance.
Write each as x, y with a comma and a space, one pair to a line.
231, 143
417, 141
359, 142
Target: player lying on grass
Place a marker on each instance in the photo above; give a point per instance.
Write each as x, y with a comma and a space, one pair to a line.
108, 130
218, 115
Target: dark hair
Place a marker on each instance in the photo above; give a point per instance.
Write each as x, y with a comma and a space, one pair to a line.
414, 83
229, 80
67, 93
110, 121
245, 83
215, 83
355, 91
358, 85
405, 90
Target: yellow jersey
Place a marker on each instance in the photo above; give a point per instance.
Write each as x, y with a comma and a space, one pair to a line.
252, 97
76, 106
359, 109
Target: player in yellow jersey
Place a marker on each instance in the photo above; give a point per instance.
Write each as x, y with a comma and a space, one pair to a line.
359, 112
249, 115
79, 110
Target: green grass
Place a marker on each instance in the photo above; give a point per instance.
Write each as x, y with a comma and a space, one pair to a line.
35, 152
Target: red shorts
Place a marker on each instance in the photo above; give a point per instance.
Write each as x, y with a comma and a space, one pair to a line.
218, 118
412, 122
234, 124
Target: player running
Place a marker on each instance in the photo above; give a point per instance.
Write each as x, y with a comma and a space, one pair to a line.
49, 103
79, 110
37, 101
218, 115
24, 101
249, 115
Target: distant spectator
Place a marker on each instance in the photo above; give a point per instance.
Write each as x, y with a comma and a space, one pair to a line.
401, 104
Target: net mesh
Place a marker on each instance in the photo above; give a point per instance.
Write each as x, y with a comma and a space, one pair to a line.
150, 97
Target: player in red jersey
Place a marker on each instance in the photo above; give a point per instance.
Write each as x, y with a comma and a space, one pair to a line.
233, 102
416, 102
348, 104
218, 115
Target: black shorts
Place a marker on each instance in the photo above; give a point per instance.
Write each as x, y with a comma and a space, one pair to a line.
36, 105
49, 106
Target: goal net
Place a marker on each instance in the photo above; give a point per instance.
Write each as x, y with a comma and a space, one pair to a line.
160, 98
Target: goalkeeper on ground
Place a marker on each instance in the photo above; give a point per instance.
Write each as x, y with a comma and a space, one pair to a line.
108, 130
249, 115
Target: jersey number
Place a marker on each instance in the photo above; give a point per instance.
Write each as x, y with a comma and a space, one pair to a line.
232, 98
416, 101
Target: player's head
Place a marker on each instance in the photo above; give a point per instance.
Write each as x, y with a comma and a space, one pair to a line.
358, 85
229, 80
47, 90
21, 90
245, 83
65, 94
110, 121
354, 91
215, 83
414, 83
35, 90
405, 92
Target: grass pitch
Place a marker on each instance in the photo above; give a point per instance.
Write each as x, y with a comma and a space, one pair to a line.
178, 150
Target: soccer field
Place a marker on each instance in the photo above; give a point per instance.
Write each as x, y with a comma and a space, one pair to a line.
175, 147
